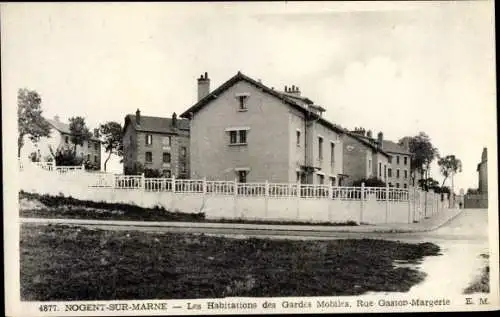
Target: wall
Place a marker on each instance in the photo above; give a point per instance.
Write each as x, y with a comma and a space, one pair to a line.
266, 152
402, 167
327, 168
476, 201
215, 206
355, 159
379, 158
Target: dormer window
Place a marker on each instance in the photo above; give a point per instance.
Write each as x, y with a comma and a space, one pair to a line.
242, 101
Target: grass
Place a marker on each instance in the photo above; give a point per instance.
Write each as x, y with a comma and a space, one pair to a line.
482, 283
70, 263
46, 206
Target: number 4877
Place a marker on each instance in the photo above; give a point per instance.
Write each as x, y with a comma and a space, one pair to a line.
47, 308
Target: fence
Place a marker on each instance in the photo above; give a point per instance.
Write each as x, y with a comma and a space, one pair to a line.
234, 200
51, 166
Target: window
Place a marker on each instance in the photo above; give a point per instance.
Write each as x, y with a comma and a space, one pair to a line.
243, 136
242, 99
390, 159
380, 169
149, 139
149, 157
88, 156
332, 181
242, 176
397, 159
405, 160
183, 152
167, 173
66, 139
320, 148
369, 164
166, 157
385, 171
96, 146
238, 136
321, 179
406, 173
183, 167
298, 137
89, 144
405, 185
95, 159
166, 141
332, 152
390, 184
233, 137
298, 177
397, 173
389, 172
397, 185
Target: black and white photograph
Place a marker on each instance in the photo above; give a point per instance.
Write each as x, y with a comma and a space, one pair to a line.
249, 157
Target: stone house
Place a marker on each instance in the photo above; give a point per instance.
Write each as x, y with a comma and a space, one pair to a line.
247, 131
364, 158
156, 143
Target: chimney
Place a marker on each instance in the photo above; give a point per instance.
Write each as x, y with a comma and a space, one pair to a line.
369, 134
380, 139
138, 117
293, 90
174, 120
203, 86
56, 118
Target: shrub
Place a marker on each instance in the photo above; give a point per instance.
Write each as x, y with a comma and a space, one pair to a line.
369, 182
66, 157
151, 173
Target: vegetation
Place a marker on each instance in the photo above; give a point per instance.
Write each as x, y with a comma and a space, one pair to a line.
482, 283
423, 154
79, 131
67, 157
449, 166
29, 118
369, 182
113, 142
62, 263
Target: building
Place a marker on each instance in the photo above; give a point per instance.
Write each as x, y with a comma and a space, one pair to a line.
363, 157
60, 138
482, 170
157, 144
246, 131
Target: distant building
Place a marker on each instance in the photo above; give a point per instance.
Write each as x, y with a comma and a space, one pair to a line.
60, 138
156, 143
482, 170
250, 132
364, 157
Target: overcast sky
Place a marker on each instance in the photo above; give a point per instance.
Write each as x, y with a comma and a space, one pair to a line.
399, 68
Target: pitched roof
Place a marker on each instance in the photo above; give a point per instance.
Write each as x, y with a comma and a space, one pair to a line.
64, 128
393, 147
369, 144
155, 124
286, 98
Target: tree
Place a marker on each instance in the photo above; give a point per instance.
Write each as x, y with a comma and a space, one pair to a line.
369, 182
79, 131
428, 183
113, 141
449, 166
29, 118
423, 153
66, 157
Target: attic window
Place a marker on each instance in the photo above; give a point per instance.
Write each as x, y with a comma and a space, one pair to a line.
242, 101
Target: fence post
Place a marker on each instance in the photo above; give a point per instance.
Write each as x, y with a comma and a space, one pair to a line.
83, 167
298, 199
362, 202
143, 181
204, 186
173, 183
386, 203
266, 210
235, 200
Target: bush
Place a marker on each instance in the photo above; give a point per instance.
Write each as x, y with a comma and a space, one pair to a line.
91, 166
136, 169
152, 173
66, 157
369, 182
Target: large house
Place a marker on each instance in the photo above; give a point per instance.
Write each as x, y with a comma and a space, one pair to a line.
156, 143
364, 157
247, 131
391, 161
60, 138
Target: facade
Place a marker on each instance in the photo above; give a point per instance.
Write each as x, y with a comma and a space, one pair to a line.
60, 138
156, 143
363, 158
248, 132
393, 168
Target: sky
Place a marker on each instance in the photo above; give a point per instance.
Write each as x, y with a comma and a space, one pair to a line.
395, 67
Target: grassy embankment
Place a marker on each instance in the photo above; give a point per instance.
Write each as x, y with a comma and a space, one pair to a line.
70, 263
482, 283
45, 206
